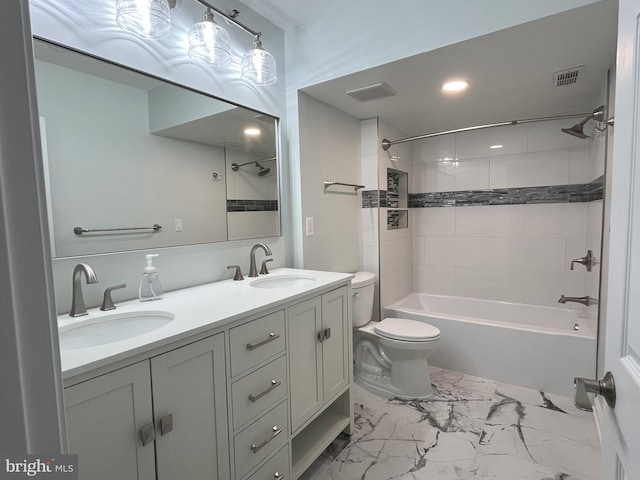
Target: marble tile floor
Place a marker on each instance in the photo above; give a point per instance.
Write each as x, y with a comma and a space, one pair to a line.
472, 428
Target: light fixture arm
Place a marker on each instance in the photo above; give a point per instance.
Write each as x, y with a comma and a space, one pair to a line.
230, 19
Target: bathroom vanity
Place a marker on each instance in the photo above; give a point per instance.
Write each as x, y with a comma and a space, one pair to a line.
241, 380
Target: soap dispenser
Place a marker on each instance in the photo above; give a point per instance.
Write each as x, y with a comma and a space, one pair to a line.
150, 287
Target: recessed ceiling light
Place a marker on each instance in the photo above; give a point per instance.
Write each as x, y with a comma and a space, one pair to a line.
455, 86
252, 131
496, 146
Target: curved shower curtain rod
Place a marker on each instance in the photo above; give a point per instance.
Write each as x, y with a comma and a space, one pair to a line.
388, 143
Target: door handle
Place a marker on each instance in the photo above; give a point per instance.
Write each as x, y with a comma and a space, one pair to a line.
605, 387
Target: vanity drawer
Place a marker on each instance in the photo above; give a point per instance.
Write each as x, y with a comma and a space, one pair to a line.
256, 341
277, 467
258, 391
260, 439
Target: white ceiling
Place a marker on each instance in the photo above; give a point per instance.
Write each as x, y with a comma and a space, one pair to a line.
510, 71
287, 14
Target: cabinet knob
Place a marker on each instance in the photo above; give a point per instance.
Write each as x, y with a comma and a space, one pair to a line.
148, 434
166, 424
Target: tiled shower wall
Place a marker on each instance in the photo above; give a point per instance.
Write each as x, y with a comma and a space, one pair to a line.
512, 252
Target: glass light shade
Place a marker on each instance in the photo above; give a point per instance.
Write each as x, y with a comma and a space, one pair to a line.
145, 18
259, 66
209, 43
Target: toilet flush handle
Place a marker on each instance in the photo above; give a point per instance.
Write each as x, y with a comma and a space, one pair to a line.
355, 294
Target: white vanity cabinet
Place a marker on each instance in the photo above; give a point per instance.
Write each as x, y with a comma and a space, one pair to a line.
258, 397
319, 373
162, 418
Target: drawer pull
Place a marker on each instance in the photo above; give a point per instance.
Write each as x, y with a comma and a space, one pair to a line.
279, 476
274, 384
147, 434
272, 337
324, 334
276, 431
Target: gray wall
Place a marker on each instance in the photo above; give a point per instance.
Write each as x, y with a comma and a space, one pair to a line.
330, 150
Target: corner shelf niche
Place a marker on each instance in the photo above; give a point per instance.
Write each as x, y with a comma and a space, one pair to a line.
397, 199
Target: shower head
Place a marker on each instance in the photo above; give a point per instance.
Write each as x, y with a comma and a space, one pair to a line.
577, 129
263, 171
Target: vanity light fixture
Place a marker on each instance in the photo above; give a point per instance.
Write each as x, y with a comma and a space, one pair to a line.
258, 65
252, 131
149, 19
209, 43
495, 147
455, 86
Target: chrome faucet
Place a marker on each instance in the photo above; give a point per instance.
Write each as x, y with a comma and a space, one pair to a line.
78, 307
588, 261
253, 270
586, 301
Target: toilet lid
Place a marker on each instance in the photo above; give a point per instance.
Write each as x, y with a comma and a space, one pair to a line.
405, 329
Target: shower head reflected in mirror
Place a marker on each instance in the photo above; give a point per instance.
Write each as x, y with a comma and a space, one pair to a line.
578, 129
261, 173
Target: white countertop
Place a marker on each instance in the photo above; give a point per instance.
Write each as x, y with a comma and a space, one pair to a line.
196, 310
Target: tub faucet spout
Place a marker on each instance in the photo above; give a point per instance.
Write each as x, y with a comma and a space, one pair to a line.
586, 301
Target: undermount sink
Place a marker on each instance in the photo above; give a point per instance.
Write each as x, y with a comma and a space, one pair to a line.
111, 328
282, 281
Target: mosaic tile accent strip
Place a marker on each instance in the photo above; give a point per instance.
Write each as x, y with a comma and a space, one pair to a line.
584, 192
252, 205
374, 198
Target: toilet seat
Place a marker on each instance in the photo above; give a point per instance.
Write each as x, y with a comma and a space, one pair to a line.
406, 330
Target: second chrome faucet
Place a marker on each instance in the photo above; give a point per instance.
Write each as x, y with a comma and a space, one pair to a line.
253, 270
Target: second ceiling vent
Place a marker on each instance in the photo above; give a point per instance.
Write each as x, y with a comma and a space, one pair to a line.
568, 77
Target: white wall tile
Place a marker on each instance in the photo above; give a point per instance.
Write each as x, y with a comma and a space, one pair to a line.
370, 225
396, 255
455, 251
476, 143
434, 149
437, 221
579, 166
418, 250
369, 136
557, 220
546, 288
369, 171
503, 285
370, 258
490, 221
531, 254
433, 279
530, 169
548, 135
456, 175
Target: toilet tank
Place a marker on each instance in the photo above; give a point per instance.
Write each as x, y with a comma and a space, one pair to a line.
362, 287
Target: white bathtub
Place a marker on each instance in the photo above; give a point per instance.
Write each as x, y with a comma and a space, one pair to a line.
528, 345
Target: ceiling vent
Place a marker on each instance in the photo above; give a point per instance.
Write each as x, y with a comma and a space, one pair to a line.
567, 77
372, 92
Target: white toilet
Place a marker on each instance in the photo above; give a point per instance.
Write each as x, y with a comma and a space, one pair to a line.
391, 355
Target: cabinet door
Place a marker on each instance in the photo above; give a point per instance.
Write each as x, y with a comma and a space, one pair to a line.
335, 346
104, 419
189, 403
304, 323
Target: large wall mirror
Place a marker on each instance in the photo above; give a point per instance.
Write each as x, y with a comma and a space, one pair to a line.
135, 162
